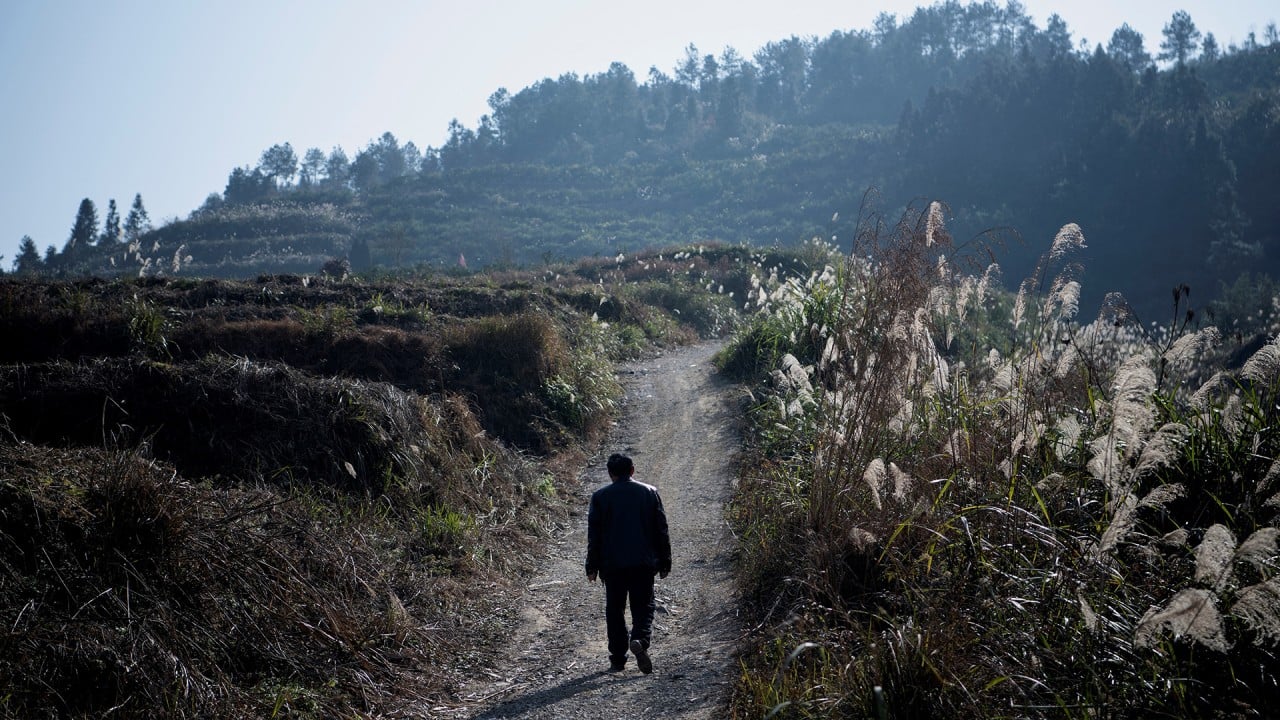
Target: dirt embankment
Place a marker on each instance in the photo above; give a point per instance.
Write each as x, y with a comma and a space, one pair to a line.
678, 425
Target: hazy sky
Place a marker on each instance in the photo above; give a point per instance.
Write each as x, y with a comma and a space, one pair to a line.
107, 98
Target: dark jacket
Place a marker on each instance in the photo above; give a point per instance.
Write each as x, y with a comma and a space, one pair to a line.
627, 528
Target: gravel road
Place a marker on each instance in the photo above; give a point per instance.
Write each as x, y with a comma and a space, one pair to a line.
678, 426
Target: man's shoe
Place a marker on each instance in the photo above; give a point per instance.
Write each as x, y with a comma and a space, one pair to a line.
616, 666
642, 656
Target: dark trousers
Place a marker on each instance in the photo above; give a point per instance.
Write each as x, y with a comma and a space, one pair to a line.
620, 586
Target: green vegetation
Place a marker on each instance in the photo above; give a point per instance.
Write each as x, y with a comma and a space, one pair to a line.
962, 503
1014, 124
298, 495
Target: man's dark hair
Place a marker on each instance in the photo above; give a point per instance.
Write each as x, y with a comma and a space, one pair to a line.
620, 465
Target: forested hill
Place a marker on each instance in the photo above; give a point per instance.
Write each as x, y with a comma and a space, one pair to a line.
1162, 149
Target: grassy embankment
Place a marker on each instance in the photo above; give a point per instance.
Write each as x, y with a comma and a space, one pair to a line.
300, 496
966, 503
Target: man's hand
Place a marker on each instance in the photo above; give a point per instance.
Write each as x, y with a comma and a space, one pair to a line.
591, 576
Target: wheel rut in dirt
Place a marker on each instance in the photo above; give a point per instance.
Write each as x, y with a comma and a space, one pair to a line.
678, 424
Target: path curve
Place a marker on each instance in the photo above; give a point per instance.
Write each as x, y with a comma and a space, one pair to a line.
678, 426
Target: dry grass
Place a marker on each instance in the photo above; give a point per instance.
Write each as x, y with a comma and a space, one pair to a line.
324, 563
234, 418
291, 496
532, 389
1044, 530
130, 592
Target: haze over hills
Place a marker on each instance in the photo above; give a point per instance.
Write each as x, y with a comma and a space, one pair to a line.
1140, 140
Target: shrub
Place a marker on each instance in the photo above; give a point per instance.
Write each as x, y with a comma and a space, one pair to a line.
527, 382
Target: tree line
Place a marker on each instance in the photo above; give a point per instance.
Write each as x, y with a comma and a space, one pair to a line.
1009, 123
86, 232
383, 161
850, 77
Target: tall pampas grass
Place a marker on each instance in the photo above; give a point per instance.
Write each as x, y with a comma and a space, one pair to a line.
935, 226
1069, 239
1214, 555
1263, 367
880, 363
1132, 415
1258, 607
1261, 550
1192, 613
1050, 498
1162, 449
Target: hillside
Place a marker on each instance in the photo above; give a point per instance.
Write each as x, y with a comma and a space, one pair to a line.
327, 497
300, 494
1011, 125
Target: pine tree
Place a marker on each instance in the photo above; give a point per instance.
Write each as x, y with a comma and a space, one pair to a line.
137, 223
337, 169
85, 230
111, 226
28, 261
53, 262
1180, 37
312, 169
280, 164
1209, 50
1126, 47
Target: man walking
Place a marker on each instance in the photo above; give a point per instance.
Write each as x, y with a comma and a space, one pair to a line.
627, 544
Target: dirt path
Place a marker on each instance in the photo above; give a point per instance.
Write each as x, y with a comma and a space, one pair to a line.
678, 427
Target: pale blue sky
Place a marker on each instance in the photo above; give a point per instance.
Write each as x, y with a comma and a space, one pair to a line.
107, 98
